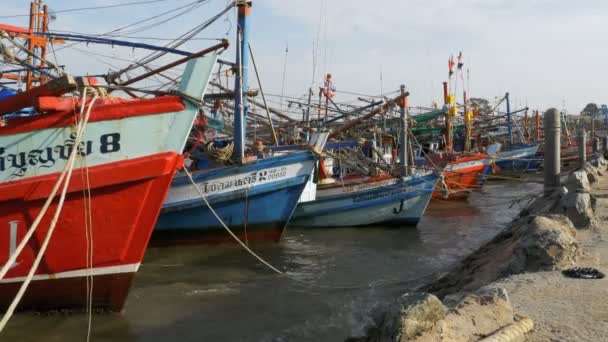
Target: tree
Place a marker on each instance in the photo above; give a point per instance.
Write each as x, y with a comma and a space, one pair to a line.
482, 104
591, 109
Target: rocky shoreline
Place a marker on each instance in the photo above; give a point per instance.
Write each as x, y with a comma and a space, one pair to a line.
513, 285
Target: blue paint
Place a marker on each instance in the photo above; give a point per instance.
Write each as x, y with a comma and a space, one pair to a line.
271, 205
240, 82
519, 158
401, 203
6, 92
265, 205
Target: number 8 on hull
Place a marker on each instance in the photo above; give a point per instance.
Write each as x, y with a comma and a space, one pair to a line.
124, 166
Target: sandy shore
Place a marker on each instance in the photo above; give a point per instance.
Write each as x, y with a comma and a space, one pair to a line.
518, 274
565, 309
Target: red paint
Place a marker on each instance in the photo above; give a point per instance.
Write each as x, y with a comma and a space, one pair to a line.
15, 29
463, 179
25, 99
40, 295
114, 111
126, 200
252, 233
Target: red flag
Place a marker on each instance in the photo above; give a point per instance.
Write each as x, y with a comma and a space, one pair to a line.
451, 65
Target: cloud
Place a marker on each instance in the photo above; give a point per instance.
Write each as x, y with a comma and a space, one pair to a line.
542, 51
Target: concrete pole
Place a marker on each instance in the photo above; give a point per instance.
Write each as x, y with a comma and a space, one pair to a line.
596, 145
582, 147
552, 126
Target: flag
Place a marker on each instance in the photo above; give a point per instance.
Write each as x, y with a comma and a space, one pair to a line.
460, 62
451, 65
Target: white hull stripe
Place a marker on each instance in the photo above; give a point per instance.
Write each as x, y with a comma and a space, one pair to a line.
130, 268
464, 165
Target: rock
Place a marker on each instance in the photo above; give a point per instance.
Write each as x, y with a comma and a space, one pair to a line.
592, 173
550, 244
410, 316
578, 182
578, 207
477, 315
598, 161
531, 243
421, 317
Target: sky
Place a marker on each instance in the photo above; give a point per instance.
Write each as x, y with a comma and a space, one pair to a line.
545, 53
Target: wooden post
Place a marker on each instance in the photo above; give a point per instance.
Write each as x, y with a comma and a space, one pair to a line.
552, 123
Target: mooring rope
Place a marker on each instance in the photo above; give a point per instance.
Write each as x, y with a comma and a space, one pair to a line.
219, 219
79, 134
28, 235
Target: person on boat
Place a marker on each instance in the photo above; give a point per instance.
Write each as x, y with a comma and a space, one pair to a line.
328, 89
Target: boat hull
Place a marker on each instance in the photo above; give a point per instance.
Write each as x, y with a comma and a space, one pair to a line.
120, 228
255, 201
461, 177
124, 166
519, 159
398, 202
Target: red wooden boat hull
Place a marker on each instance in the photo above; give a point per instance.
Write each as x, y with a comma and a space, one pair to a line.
126, 198
460, 177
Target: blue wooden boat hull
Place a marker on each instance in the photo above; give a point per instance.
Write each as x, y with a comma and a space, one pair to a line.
402, 203
255, 201
521, 158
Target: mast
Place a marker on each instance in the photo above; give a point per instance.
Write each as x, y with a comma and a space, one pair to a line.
537, 126
526, 128
403, 155
240, 80
35, 46
448, 119
509, 123
467, 124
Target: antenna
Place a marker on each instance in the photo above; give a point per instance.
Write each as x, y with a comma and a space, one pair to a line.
284, 73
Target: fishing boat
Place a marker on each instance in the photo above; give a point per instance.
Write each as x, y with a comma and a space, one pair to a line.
461, 174
114, 161
352, 200
365, 201
253, 199
519, 158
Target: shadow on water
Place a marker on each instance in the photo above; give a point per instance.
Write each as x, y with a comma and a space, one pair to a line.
333, 278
